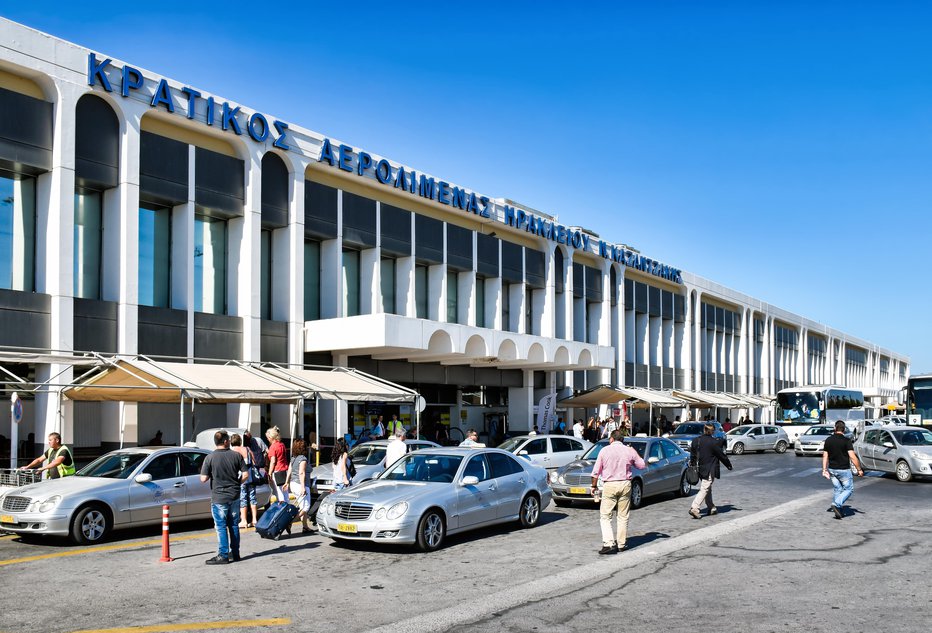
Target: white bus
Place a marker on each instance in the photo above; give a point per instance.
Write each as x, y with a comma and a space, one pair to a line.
798, 408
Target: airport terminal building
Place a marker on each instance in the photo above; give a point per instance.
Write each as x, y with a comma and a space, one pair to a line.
143, 216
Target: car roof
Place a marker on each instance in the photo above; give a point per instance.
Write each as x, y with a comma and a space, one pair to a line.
540, 435
129, 450
460, 450
387, 442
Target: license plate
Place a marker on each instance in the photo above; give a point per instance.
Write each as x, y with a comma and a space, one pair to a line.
348, 528
579, 491
6, 518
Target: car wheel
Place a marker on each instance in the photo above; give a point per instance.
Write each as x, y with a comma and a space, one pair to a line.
430, 531
903, 471
684, 488
530, 511
780, 447
637, 493
562, 503
90, 525
737, 449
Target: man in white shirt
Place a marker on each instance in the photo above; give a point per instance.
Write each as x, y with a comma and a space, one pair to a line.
578, 429
396, 448
472, 439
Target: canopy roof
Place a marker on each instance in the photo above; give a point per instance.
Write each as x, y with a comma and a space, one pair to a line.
607, 394
154, 381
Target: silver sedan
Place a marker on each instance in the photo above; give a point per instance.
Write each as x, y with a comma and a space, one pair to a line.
905, 451
665, 472
121, 489
435, 492
368, 459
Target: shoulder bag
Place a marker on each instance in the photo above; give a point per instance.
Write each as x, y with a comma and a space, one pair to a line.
692, 471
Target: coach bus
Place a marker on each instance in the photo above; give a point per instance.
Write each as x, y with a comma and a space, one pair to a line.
798, 408
918, 400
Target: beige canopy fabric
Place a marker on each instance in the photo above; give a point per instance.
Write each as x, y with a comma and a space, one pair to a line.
154, 381
704, 399
606, 394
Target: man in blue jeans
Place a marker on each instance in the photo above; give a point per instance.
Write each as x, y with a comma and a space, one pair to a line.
225, 470
837, 455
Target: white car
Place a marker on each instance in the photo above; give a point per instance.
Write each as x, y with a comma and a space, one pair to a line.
547, 451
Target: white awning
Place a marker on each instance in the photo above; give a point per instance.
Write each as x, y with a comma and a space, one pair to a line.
340, 383
607, 394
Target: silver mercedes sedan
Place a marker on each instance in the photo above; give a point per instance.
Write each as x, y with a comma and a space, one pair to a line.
368, 459
122, 489
665, 472
436, 492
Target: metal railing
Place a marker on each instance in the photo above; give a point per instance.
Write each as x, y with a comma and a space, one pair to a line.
12, 478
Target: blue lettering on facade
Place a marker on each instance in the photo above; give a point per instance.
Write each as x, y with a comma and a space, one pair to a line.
281, 128
401, 179
132, 80
95, 72
383, 172
192, 96
210, 110
163, 95
346, 158
426, 187
363, 162
229, 118
443, 193
326, 153
259, 137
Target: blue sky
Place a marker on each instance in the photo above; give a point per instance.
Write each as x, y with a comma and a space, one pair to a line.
783, 149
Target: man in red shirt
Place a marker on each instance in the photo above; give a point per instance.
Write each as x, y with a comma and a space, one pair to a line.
614, 465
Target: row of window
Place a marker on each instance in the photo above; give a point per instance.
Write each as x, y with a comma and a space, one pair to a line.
720, 319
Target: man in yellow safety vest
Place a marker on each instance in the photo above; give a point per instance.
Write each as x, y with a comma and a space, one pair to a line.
60, 460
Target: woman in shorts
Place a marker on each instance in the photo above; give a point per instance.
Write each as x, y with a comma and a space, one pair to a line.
299, 483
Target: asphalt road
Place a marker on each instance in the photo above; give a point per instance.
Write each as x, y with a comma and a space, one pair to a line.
772, 560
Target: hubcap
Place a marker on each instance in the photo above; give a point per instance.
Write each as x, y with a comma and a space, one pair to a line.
685, 485
530, 511
902, 470
433, 528
93, 526
636, 495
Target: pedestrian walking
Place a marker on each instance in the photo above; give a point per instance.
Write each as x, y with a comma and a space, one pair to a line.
278, 463
299, 481
837, 455
341, 477
247, 489
614, 465
706, 454
225, 470
578, 429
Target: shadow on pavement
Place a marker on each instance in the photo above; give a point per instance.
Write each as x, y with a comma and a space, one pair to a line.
644, 539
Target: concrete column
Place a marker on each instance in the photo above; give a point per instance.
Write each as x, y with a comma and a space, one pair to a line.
545, 300
521, 403
437, 292
404, 287
295, 289
619, 339
370, 290
493, 303
569, 307
466, 297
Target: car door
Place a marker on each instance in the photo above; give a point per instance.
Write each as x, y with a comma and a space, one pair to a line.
563, 451
538, 452
865, 449
511, 481
671, 465
884, 456
654, 476
769, 437
167, 487
477, 503
196, 492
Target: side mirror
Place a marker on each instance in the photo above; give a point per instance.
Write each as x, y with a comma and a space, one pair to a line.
469, 480
144, 478
578, 456
888, 445
901, 397
653, 460
522, 452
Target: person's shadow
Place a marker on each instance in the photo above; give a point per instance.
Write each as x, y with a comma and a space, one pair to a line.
644, 539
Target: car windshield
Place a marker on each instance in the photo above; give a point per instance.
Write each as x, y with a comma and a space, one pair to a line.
688, 429
112, 466
741, 430
819, 430
595, 449
421, 467
367, 455
640, 447
913, 437
511, 444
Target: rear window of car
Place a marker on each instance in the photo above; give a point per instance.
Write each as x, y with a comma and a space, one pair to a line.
688, 429
503, 465
535, 447
563, 445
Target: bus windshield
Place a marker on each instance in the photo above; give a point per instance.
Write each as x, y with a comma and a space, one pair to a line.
801, 407
920, 399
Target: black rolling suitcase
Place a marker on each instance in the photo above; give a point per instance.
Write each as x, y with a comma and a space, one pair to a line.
275, 519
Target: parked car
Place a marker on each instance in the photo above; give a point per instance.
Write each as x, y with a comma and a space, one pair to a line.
547, 451
205, 439
685, 433
756, 437
812, 440
905, 451
367, 458
665, 472
122, 489
435, 492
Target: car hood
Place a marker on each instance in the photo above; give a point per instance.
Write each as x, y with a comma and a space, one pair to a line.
813, 439
383, 491
65, 486
578, 466
324, 471
362, 472
682, 436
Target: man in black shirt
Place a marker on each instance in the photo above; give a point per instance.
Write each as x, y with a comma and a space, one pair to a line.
837, 455
226, 470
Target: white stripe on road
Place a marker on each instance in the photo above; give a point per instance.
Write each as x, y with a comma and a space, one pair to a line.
481, 606
775, 471
808, 472
745, 471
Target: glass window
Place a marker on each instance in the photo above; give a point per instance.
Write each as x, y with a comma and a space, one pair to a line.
562, 445
503, 465
387, 276
536, 447
155, 256
163, 467
420, 291
191, 463
670, 449
506, 307
210, 265
311, 281
87, 241
17, 233
266, 274
655, 451
480, 302
452, 297
350, 283
477, 467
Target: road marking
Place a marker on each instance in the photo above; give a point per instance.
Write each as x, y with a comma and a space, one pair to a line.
481, 606
101, 548
808, 472
192, 626
745, 471
775, 471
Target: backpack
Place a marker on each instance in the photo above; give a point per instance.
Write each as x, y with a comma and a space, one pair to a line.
350, 468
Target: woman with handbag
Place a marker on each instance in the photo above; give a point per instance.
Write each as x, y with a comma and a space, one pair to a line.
341, 476
247, 489
278, 463
299, 483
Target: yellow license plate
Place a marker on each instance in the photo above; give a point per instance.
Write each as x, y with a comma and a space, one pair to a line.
579, 491
348, 528
6, 518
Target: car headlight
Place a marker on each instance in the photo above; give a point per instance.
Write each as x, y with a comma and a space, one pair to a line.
380, 513
553, 477
331, 509
797, 444
919, 455
396, 510
46, 505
